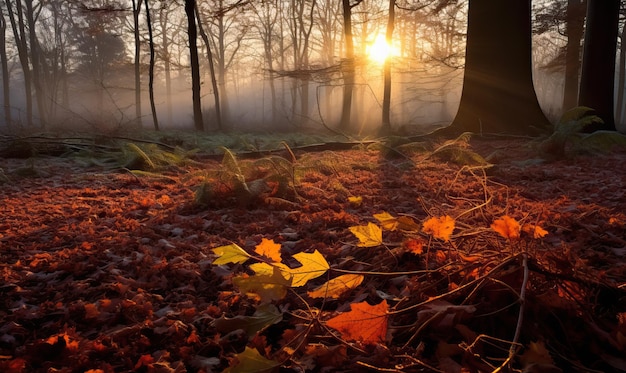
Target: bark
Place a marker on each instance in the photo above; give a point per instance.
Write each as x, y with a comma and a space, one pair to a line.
136, 10
19, 33
575, 28
622, 76
192, 34
498, 94
348, 66
386, 125
598, 71
155, 118
216, 89
37, 63
6, 95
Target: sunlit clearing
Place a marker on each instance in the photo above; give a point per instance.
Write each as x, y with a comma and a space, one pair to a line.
379, 50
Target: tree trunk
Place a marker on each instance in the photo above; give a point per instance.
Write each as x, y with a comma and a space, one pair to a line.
155, 118
216, 90
348, 66
598, 71
575, 27
5, 73
498, 94
622, 76
192, 34
19, 33
136, 9
36, 63
386, 125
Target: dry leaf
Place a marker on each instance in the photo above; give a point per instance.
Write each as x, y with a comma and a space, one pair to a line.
507, 227
369, 235
534, 230
313, 265
364, 322
440, 227
355, 201
230, 254
387, 221
269, 249
414, 245
337, 286
250, 360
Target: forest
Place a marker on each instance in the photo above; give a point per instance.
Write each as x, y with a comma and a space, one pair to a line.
312, 186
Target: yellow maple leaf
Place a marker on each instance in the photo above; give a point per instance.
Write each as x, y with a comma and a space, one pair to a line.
230, 254
355, 201
313, 265
387, 221
250, 360
440, 227
507, 227
269, 249
369, 235
264, 287
337, 286
363, 322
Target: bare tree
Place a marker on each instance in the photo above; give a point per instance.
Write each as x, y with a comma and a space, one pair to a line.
574, 29
348, 64
5, 72
386, 121
155, 118
137, 64
216, 90
192, 36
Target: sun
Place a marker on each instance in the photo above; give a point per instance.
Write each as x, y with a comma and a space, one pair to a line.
380, 50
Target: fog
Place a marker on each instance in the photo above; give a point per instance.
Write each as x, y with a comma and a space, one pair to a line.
272, 76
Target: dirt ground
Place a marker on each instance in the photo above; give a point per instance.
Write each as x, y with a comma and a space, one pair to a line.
103, 270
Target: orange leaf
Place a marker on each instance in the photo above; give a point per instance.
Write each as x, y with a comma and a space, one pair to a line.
414, 245
535, 230
507, 227
364, 322
269, 249
440, 227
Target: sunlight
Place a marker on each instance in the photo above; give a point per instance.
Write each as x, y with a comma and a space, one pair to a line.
379, 50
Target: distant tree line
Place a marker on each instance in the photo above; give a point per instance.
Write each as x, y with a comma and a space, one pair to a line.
54, 52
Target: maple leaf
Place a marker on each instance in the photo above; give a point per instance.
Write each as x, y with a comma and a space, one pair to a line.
537, 354
405, 223
264, 287
250, 360
264, 316
363, 322
369, 235
337, 286
387, 221
313, 265
507, 227
414, 245
440, 227
269, 249
230, 254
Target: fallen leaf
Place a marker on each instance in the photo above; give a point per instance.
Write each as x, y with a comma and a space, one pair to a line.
387, 221
369, 235
230, 254
313, 266
337, 286
265, 288
440, 227
536, 353
264, 316
534, 230
251, 361
269, 249
414, 245
406, 223
355, 201
363, 322
507, 227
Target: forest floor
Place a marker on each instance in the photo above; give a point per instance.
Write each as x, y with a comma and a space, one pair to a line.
107, 270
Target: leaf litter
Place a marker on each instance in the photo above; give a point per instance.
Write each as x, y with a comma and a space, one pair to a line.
402, 264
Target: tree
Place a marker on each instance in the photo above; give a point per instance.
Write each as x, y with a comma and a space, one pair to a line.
155, 118
348, 64
574, 27
19, 33
5, 72
209, 53
137, 65
598, 70
498, 94
386, 122
192, 36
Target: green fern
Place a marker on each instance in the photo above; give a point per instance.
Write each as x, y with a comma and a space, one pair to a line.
568, 131
457, 151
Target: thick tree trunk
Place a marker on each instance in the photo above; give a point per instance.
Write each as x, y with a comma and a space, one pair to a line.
575, 28
498, 94
621, 83
192, 34
598, 71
